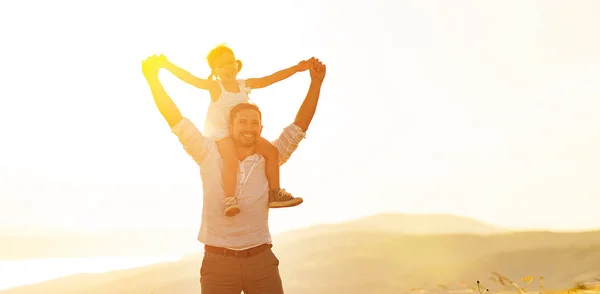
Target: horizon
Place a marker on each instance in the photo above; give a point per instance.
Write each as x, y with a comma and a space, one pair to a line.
40, 231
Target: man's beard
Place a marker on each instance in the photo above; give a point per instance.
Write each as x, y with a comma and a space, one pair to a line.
241, 142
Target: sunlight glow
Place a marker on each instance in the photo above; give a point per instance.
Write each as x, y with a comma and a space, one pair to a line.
426, 108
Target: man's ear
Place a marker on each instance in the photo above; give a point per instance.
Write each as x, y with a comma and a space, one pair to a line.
239, 63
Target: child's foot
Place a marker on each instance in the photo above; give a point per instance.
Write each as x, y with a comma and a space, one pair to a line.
280, 198
231, 207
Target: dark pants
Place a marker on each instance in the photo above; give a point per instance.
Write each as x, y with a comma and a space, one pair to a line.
223, 273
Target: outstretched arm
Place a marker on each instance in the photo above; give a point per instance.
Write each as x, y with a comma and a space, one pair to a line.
194, 143
187, 77
293, 134
257, 83
309, 105
164, 103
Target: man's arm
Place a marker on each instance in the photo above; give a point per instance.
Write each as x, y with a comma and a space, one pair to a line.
291, 136
257, 83
163, 102
194, 143
309, 106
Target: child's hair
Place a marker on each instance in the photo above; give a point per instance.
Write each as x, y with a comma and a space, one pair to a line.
216, 52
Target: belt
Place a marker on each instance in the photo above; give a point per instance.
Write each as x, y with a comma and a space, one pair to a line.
237, 253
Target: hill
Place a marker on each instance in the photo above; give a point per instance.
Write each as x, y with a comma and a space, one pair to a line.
376, 262
386, 272
440, 249
412, 224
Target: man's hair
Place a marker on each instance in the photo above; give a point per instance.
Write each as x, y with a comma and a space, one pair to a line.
243, 106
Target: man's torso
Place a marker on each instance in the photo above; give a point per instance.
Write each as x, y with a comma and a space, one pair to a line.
246, 229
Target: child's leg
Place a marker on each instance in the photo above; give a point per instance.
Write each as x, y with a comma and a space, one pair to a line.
277, 197
230, 169
271, 155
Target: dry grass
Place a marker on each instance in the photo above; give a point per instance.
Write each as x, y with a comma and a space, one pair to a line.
504, 285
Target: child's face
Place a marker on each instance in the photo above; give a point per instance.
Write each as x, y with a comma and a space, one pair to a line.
226, 66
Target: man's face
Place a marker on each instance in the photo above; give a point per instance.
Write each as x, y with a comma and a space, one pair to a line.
246, 128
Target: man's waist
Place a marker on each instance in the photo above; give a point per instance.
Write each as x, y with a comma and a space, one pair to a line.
238, 253
226, 235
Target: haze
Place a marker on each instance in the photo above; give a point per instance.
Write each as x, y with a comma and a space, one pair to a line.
482, 109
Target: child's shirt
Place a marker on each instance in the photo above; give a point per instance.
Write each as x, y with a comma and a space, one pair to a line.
216, 125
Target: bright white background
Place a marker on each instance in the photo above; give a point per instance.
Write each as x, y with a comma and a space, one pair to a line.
483, 109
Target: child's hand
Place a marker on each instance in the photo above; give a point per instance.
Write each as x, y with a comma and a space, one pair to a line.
162, 61
304, 64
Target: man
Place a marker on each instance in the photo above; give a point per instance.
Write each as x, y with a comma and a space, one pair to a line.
238, 254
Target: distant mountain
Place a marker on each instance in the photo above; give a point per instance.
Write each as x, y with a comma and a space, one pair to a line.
425, 224
413, 224
377, 262
427, 250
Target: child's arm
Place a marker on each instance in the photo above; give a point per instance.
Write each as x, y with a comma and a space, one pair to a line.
257, 83
187, 77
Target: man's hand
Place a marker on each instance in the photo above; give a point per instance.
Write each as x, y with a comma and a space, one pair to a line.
150, 67
317, 71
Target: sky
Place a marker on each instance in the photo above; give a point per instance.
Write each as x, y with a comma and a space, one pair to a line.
483, 109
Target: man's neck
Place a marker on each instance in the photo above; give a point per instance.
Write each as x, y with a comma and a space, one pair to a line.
244, 152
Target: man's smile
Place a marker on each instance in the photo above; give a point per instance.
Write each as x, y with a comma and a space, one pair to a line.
247, 135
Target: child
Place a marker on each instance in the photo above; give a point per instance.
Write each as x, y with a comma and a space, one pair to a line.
226, 91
